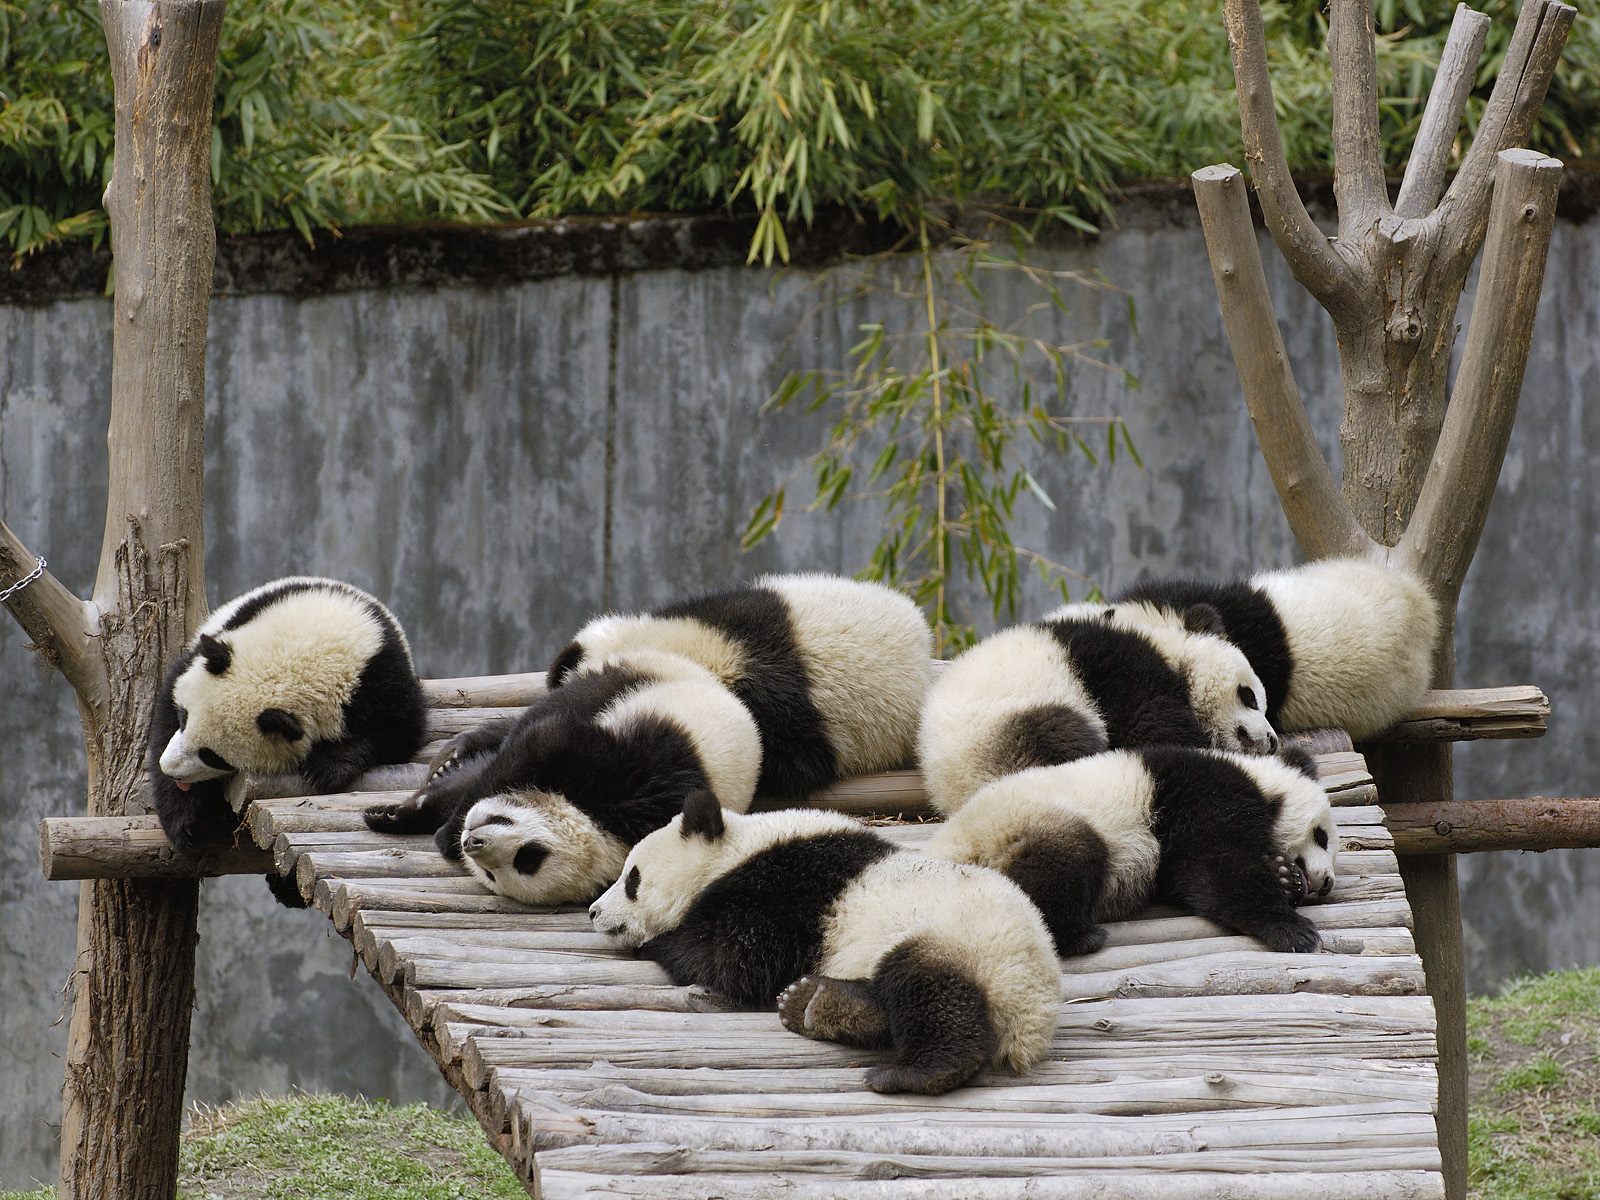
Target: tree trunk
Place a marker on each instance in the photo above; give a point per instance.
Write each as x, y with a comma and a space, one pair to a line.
132, 986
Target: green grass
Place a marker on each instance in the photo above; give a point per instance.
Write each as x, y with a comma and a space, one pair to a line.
322, 1147
1534, 1132
1534, 1128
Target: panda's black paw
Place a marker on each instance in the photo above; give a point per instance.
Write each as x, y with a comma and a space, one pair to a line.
833, 1010
1291, 879
406, 817
1295, 936
1083, 940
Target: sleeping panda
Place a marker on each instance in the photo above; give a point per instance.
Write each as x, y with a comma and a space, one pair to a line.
1075, 684
1239, 839
543, 808
301, 674
1344, 643
833, 670
948, 966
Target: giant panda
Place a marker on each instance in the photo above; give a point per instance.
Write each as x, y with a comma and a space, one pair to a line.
543, 808
1075, 684
1344, 643
301, 674
833, 670
1237, 838
948, 966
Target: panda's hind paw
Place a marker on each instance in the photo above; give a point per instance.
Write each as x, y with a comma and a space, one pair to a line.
833, 1010
1291, 879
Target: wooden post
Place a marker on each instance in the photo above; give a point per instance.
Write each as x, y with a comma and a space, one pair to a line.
132, 983
1418, 476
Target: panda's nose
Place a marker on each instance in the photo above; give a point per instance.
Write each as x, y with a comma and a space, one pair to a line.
472, 843
594, 911
1272, 742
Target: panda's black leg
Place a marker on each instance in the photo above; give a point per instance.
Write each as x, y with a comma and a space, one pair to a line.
430, 806
193, 820
834, 1010
1245, 894
938, 1020
1063, 873
334, 766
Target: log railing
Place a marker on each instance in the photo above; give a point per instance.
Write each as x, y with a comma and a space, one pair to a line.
134, 847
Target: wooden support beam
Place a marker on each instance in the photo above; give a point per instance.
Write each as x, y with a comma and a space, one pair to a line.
133, 848
1473, 714
1471, 826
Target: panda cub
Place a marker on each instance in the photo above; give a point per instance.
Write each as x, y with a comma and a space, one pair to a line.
544, 807
1344, 643
1236, 838
1075, 684
833, 670
946, 965
301, 674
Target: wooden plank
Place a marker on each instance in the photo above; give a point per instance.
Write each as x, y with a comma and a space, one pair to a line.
670, 1160
1472, 714
1047, 1088
1350, 1127
1086, 1185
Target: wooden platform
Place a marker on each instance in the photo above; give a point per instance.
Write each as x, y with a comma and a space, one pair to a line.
1187, 1062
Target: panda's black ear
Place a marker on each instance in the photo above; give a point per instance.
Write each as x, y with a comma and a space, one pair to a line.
1296, 756
702, 816
565, 664
1202, 618
284, 724
216, 653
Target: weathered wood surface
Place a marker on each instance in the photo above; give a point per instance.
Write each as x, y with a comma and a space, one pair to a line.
1188, 1061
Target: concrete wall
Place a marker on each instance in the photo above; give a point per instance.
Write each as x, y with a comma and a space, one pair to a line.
501, 456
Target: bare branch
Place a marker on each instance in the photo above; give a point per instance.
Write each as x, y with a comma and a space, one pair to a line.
1460, 484
1358, 183
1317, 513
1452, 84
1525, 75
1320, 268
64, 628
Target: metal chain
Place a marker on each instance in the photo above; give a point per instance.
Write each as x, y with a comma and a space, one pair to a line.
23, 582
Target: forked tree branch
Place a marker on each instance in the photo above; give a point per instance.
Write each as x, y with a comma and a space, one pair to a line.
1460, 484
1321, 269
1447, 99
1358, 183
64, 628
1525, 75
1317, 513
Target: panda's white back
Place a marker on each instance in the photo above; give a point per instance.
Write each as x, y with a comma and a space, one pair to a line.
867, 653
1361, 635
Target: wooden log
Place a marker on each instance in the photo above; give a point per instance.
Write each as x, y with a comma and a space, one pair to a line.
1044, 1089
1473, 714
484, 691
1086, 1185
420, 1004
1471, 826
1351, 1127
133, 847
669, 1160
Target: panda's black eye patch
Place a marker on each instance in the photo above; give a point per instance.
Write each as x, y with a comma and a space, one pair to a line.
214, 760
1247, 697
530, 857
183, 718
630, 885
1320, 836
496, 819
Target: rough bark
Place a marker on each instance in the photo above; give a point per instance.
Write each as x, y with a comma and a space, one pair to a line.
1391, 283
132, 985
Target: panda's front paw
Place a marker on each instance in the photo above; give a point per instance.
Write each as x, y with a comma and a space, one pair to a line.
443, 765
408, 816
1294, 936
1291, 879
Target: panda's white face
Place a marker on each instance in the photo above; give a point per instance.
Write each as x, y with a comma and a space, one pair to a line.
538, 848
227, 722
1227, 696
1304, 833
666, 871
